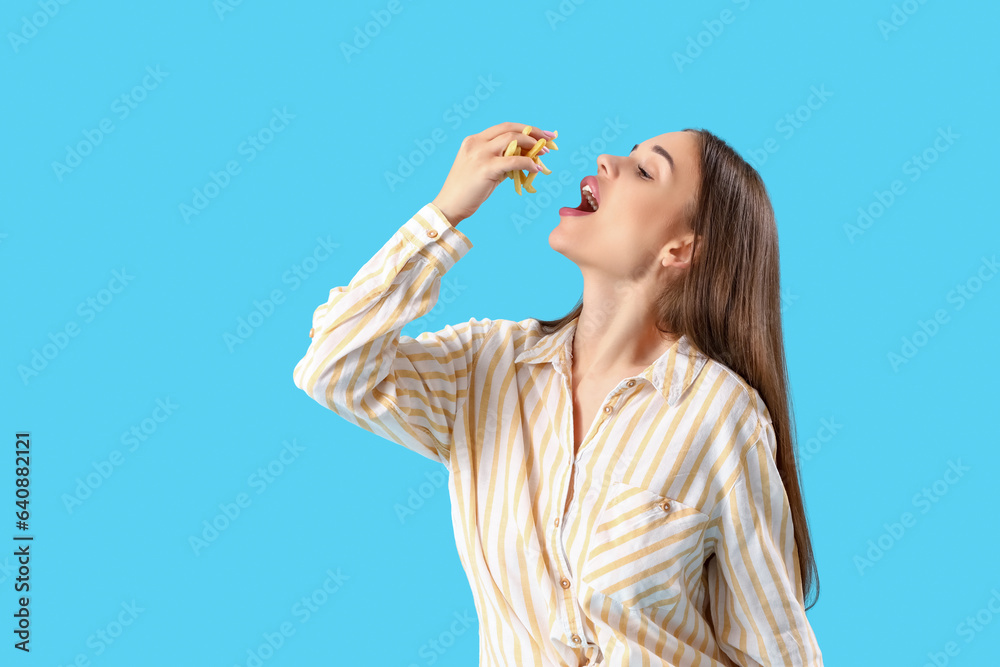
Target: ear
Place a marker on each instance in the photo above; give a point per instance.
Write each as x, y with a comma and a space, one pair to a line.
677, 253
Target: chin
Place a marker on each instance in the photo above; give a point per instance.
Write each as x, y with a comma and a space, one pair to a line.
557, 240
560, 241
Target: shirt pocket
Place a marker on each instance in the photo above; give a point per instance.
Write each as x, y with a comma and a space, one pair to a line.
643, 548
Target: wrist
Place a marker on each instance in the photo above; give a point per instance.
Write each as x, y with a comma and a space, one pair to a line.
447, 212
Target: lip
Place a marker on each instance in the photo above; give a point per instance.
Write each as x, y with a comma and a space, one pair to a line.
592, 182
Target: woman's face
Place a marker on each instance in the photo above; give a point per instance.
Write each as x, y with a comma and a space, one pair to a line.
641, 200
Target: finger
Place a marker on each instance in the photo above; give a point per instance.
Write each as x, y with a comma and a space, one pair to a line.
499, 166
499, 145
493, 132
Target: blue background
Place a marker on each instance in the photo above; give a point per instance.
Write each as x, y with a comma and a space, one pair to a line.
349, 118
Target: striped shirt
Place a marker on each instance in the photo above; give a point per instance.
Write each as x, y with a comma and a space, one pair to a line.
677, 546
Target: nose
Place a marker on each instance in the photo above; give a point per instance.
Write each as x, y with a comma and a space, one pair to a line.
605, 164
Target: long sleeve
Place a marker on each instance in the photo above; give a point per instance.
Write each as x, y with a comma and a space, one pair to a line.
407, 390
754, 583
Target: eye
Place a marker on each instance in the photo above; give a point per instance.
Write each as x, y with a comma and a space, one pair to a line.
643, 173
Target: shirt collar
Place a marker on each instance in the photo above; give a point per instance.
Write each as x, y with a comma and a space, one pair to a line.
672, 373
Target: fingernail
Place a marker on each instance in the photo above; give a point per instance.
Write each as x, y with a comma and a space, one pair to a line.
551, 134
545, 149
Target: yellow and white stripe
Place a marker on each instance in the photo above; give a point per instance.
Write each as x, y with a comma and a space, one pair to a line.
677, 547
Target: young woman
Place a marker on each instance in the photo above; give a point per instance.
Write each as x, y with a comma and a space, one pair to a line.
623, 479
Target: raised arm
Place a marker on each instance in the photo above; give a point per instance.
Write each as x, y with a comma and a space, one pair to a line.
407, 390
410, 390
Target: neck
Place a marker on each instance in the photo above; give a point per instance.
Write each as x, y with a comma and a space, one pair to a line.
623, 341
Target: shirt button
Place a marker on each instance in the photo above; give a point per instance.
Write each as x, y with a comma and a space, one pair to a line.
431, 233
607, 409
576, 639
665, 505
631, 383
557, 521
564, 583
311, 332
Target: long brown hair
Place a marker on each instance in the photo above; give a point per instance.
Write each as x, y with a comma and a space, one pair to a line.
728, 303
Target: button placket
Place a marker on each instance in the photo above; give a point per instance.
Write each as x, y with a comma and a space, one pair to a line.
574, 618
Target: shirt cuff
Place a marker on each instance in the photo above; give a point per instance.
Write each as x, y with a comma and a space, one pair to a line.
430, 231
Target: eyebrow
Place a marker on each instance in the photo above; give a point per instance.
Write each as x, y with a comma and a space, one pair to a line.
662, 151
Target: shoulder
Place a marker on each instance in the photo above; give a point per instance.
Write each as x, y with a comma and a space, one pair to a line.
735, 382
492, 335
515, 340
520, 334
516, 334
742, 419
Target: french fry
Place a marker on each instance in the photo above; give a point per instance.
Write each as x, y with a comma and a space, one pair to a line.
508, 152
522, 180
517, 173
537, 147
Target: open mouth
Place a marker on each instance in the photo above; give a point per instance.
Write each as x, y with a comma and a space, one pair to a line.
590, 199
588, 202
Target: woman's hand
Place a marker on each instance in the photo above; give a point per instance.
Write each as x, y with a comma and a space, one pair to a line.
480, 166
